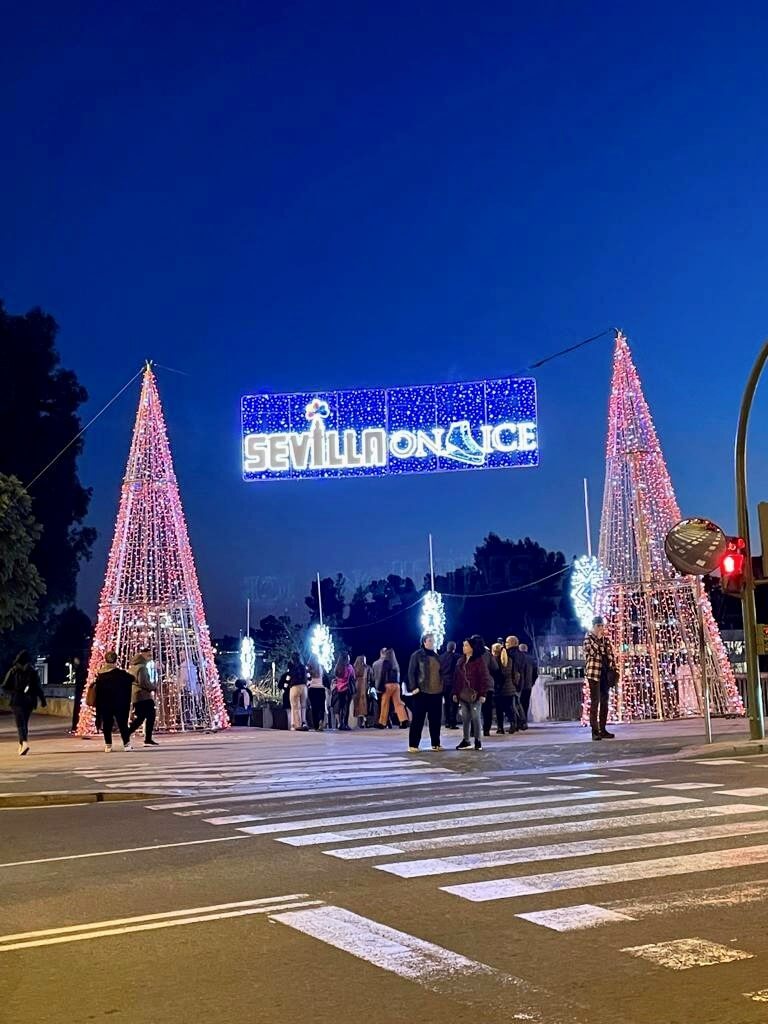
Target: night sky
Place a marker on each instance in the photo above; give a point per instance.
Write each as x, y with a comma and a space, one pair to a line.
299, 196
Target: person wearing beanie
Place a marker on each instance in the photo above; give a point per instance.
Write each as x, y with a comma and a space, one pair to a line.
600, 674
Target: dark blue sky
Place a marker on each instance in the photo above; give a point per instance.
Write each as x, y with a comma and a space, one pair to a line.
322, 195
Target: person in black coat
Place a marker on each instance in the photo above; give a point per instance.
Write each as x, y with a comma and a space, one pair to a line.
22, 683
113, 700
448, 662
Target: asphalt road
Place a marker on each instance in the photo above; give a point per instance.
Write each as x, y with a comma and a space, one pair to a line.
360, 883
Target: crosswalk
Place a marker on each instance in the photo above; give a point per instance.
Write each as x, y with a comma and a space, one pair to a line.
563, 852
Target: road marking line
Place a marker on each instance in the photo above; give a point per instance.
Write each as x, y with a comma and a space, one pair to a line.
571, 919
564, 919
288, 762
580, 775
433, 967
749, 791
714, 762
682, 787
112, 853
258, 784
415, 812
758, 997
683, 954
447, 824
559, 828
611, 874
284, 794
152, 926
562, 851
268, 901
251, 770
630, 782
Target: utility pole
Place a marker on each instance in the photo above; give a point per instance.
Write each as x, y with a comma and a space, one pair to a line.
749, 613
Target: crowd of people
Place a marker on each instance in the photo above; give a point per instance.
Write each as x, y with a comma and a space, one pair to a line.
451, 689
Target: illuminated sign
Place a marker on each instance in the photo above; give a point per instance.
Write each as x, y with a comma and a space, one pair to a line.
375, 432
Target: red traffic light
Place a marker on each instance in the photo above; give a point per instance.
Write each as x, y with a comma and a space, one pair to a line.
732, 565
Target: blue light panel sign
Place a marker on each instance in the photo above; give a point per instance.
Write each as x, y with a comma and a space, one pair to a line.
437, 428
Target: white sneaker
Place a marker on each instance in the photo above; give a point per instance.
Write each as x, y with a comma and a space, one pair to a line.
107, 748
23, 749
127, 746
413, 750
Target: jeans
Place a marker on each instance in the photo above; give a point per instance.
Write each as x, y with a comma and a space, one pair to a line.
470, 716
598, 708
451, 710
111, 714
426, 706
391, 695
298, 706
507, 708
143, 711
317, 703
487, 713
525, 701
21, 714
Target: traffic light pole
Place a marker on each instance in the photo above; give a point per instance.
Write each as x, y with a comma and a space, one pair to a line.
749, 613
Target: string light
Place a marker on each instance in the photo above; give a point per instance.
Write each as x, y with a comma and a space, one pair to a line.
433, 617
151, 597
247, 657
650, 609
322, 647
585, 580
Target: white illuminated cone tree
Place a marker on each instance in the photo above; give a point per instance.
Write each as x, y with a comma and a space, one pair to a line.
650, 609
151, 597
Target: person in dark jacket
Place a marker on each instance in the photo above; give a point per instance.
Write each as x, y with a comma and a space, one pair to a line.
143, 700
426, 687
113, 700
513, 667
471, 680
22, 684
493, 669
530, 675
448, 663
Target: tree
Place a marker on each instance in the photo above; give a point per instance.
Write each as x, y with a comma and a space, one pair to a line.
21, 586
278, 637
332, 593
38, 416
494, 597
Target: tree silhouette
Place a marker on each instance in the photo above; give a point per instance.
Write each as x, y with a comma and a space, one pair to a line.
21, 586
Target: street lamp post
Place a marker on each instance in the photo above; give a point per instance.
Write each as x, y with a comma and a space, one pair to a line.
749, 613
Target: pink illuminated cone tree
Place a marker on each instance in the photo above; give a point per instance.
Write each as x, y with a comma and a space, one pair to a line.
151, 597
649, 608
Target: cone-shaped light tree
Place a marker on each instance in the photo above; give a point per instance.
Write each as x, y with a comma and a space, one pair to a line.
151, 597
649, 608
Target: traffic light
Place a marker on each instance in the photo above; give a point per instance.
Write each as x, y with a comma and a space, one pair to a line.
732, 565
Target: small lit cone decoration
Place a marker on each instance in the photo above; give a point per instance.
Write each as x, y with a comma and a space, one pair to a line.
321, 646
650, 610
433, 617
151, 597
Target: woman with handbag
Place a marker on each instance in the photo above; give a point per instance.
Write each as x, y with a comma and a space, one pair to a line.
471, 683
343, 690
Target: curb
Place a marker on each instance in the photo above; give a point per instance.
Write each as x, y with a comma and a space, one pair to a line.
747, 748
66, 797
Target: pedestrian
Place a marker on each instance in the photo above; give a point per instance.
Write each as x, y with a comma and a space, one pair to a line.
297, 678
363, 683
490, 702
600, 673
143, 700
343, 691
448, 661
113, 686
317, 693
512, 663
243, 702
472, 683
377, 666
530, 675
22, 683
79, 676
389, 688
427, 690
